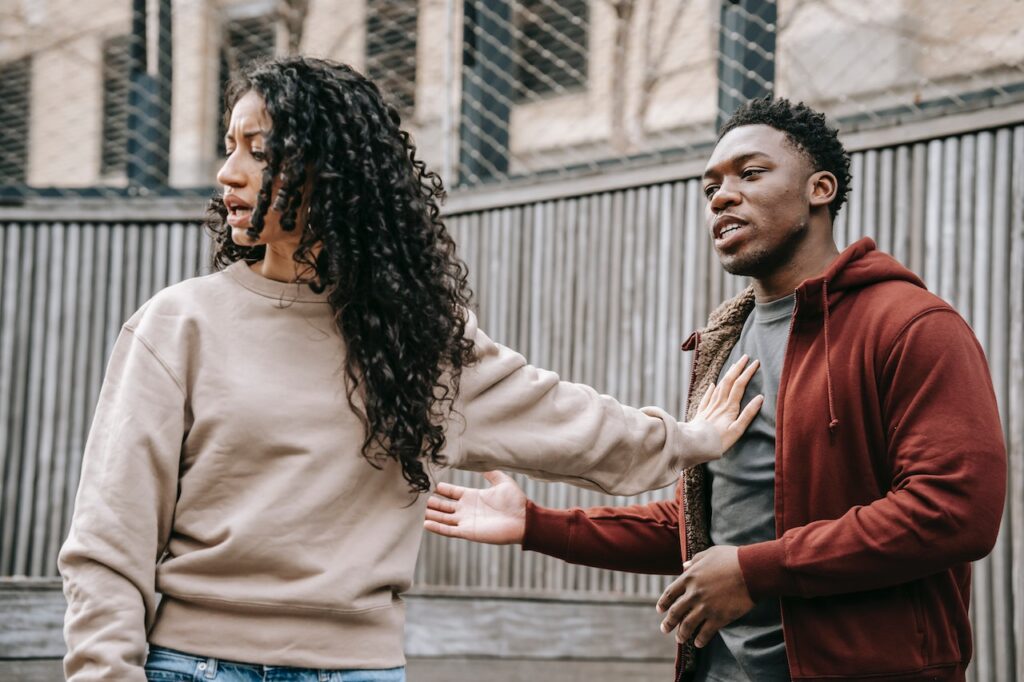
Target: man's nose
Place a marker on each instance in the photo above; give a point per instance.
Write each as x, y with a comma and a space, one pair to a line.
725, 197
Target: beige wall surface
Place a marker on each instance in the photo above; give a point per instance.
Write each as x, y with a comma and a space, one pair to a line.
651, 76
850, 58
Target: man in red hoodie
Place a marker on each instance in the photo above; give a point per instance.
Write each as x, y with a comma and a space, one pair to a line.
833, 541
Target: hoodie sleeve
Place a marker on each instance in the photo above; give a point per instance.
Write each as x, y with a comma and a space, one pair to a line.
123, 513
642, 538
948, 462
516, 417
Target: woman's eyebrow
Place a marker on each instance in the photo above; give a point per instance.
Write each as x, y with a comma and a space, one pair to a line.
247, 135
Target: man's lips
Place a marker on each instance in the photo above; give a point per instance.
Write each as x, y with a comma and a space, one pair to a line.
726, 225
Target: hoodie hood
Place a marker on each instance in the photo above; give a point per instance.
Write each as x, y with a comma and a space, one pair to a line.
859, 265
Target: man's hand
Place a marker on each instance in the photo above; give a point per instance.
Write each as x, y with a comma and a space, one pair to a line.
708, 595
494, 515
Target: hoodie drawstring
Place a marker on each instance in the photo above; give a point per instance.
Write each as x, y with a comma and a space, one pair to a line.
833, 423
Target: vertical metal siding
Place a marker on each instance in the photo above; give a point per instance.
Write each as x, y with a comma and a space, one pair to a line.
600, 288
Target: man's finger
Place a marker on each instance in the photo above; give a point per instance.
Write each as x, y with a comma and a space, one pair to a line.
496, 477
706, 633
441, 529
678, 612
441, 517
441, 504
454, 492
689, 625
671, 593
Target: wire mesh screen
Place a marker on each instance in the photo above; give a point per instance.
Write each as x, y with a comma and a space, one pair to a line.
124, 97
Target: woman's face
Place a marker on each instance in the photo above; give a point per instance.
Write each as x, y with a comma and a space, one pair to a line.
242, 174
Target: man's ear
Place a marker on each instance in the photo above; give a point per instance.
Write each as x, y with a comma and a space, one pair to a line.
823, 187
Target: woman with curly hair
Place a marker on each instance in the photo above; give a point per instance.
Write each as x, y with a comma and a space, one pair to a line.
263, 433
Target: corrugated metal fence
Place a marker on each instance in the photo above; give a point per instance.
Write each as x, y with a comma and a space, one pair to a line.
601, 288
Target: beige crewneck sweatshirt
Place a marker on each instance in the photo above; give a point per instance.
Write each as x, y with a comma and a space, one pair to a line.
223, 472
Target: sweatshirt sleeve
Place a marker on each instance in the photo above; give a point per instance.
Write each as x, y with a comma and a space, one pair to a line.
948, 462
517, 417
642, 538
123, 513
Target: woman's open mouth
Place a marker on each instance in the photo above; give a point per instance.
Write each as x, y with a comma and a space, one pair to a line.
239, 211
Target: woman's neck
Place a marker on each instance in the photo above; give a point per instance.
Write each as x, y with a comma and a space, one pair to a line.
279, 265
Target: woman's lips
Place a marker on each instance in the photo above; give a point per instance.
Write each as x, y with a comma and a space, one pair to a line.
239, 217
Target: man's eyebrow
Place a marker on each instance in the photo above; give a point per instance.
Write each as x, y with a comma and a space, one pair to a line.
734, 161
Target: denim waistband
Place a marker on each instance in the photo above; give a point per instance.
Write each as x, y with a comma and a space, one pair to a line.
199, 668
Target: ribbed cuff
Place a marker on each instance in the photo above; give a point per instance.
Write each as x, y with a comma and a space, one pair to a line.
548, 531
763, 568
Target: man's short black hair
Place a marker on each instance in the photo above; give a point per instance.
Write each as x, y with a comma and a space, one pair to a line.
807, 130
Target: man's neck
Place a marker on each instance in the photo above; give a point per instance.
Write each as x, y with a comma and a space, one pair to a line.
804, 265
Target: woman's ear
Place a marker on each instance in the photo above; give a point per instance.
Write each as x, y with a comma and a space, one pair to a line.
823, 187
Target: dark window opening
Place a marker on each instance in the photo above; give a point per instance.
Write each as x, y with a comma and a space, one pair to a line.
551, 39
14, 106
116, 66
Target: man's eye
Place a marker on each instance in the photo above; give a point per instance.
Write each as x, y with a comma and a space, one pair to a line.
752, 171
710, 190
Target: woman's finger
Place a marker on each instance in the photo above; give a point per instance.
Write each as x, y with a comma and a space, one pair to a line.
728, 379
735, 370
706, 400
738, 427
740, 385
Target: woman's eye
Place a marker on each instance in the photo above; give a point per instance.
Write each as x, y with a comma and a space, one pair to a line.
259, 155
228, 152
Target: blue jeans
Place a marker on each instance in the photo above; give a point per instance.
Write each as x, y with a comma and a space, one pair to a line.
168, 665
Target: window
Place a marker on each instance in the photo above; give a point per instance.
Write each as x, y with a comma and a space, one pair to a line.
14, 104
244, 40
551, 44
116, 68
391, 49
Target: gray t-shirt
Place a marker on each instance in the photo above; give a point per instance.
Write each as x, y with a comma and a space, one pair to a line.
743, 505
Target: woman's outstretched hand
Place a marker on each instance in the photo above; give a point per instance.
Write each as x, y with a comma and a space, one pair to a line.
495, 515
718, 414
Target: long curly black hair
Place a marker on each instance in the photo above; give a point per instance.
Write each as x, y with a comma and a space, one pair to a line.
386, 261
808, 130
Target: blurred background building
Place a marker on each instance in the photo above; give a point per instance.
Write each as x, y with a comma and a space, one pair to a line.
570, 134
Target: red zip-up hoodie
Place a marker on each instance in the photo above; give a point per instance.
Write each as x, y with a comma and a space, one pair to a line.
890, 477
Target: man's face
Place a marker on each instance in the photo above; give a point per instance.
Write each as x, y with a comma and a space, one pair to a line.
758, 187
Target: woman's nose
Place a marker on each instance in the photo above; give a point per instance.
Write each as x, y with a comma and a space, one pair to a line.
230, 174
